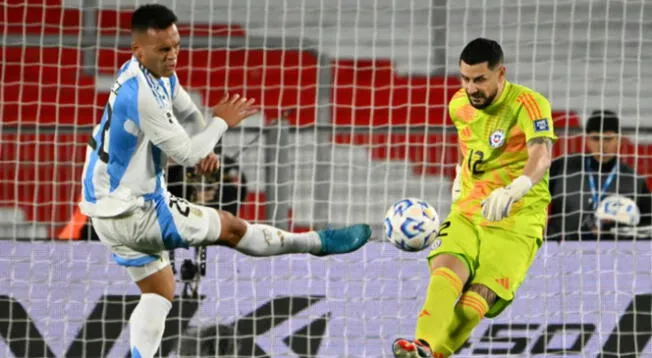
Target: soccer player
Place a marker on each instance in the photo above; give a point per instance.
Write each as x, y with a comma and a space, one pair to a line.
500, 200
124, 190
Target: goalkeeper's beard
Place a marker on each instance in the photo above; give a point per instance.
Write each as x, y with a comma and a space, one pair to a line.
485, 104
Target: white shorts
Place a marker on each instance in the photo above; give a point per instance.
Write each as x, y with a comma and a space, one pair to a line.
140, 239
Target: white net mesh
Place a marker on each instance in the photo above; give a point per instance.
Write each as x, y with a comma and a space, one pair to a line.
362, 88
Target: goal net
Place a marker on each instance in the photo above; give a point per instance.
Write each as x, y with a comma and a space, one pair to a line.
353, 98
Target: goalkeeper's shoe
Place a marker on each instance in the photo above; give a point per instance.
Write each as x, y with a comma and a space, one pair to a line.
404, 348
341, 241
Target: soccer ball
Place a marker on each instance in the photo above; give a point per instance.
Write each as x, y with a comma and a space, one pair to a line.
619, 209
411, 224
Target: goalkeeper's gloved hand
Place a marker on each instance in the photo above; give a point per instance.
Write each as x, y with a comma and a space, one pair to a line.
497, 206
457, 183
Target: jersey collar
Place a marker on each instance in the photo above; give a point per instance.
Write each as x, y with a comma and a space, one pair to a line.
145, 71
142, 68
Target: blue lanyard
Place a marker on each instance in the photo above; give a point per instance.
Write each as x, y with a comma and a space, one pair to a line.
597, 196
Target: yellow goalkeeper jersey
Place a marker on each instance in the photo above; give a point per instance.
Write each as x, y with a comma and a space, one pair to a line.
494, 144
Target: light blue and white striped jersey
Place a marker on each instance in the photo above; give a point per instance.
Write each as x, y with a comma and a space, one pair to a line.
129, 149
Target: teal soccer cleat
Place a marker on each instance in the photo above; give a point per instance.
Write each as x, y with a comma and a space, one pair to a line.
341, 241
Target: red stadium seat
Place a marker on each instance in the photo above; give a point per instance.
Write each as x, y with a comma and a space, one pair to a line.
277, 79
49, 17
113, 22
46, 86
369, 93
36, 17
41, 174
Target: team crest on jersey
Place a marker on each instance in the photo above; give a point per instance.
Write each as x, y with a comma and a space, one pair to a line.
497, 139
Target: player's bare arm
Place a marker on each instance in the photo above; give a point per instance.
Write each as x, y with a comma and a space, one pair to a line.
539, 152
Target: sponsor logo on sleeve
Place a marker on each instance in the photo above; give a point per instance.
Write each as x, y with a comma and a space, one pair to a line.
541, 125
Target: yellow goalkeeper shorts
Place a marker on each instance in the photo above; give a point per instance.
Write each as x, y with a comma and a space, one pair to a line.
495, 257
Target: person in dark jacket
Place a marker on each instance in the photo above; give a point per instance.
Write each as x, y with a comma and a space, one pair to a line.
227, 190
578, 182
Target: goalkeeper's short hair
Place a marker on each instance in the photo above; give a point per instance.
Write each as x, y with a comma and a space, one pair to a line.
482, 50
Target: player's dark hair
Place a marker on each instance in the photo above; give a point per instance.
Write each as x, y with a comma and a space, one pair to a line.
482, 50
152, 16
602, 121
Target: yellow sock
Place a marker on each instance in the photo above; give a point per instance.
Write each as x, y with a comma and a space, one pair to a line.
443, 348
469, 311
438, 310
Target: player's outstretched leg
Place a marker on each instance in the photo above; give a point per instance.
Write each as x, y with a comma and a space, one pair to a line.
405, 348
264, 240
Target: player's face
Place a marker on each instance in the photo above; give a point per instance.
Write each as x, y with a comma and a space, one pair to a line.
481, 83
603, 146
158, 50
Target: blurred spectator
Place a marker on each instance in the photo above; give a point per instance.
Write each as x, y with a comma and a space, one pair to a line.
579, 181
225, 191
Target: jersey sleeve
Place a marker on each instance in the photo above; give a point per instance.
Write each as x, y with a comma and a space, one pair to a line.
185, 110
182, 103
162, 128
535, 116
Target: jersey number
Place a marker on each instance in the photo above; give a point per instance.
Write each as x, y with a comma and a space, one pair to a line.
445, 225
476, 159
178, 203
104, 156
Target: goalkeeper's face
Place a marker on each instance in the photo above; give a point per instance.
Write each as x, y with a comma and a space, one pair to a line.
158, 50
481, 83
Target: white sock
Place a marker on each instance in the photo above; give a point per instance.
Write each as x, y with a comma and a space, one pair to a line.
147, 323
265, 240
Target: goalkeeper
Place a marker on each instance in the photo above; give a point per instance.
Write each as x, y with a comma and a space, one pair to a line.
500, 197
124, 188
